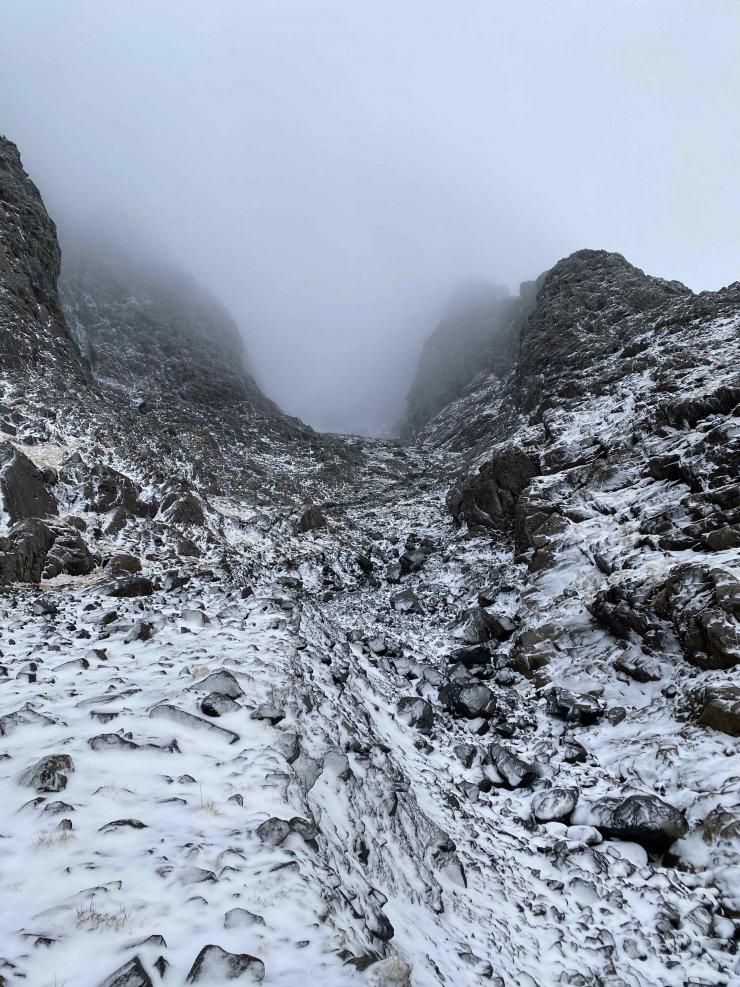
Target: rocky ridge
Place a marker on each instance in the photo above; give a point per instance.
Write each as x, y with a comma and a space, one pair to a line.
457, 711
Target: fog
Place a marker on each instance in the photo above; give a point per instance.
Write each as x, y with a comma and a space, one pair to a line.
332, 169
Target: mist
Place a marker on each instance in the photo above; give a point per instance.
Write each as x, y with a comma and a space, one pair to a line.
332, 171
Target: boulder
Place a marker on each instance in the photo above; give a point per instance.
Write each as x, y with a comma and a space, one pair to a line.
184, 511
573, 708
222, 681
107, 490
69, 554
488, 498
643, 819
23, 491
170, 712
272, 714
406, 601
416, 712
703, 603
130, 585
216, 704
513, 771
720, 709
311, 519
123, 562
413, 559
131, 974
142, 630
50, 774
24, 550
275, 831
477, 625
215, 965
469, 701
554, 805
472, 657
289, 746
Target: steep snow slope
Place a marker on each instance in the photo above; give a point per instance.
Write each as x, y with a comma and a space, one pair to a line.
241, 739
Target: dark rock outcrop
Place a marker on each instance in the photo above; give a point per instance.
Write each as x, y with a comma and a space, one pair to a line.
24, 492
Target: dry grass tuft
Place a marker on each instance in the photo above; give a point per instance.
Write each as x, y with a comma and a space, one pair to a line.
46, 841
209, 805
90, 919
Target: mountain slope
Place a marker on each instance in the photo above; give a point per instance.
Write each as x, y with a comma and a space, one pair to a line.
154, 330
470, 719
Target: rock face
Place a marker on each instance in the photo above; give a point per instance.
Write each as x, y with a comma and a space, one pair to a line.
480, 329
432, 741
149, 329
33, 332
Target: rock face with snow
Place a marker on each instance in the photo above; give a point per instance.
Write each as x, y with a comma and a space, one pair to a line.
280, 707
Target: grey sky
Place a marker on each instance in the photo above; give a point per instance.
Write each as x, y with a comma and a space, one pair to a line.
330, 169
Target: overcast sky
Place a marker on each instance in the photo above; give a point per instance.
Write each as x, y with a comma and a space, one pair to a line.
331, 169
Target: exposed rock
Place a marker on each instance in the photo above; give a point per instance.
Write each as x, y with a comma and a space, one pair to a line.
170, 712
311, 519
513, 771
23, 491
141, 631
240, 918
644, 819
214, 964
469, 701
69, 554
581, 710
268, 712
477, 625
721, 709
123, 562
489, 497
704, 604
23, 552
416, 712
289, 746
554, 805
130, 585
406, 601
131, 974
50, 774
217, 704
222, 682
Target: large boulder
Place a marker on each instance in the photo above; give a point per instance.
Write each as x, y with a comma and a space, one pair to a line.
703, 603
69, 554
643, 819
23, 491
311, 519
186, 510
215, 965
416, 712
720, 709
106, 489
554, 805
50, 774
406, 601
33, 550
469, 701
488, 498
476, 625
568, 706
23, 551
513, 771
